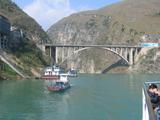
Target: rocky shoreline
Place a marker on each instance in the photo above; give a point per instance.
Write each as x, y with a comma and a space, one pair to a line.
3, 78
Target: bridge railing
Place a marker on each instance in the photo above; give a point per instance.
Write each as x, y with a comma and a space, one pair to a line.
116, 45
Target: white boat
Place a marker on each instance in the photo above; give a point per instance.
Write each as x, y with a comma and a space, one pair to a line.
72, 73
52, 72
148, 112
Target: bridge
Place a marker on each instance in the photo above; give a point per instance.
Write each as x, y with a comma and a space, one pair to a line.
126, 52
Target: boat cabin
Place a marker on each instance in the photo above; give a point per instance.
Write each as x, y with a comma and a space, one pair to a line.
64, 78
52, 71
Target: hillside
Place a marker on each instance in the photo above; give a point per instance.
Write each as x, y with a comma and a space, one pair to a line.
122, 23
23, 51
141, 15
21, 20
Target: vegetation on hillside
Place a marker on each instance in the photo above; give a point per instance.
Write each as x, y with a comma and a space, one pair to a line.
27, 56
6, 72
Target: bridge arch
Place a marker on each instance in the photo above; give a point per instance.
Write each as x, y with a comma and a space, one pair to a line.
86, 48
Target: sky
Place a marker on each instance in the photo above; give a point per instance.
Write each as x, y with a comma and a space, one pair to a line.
48, 12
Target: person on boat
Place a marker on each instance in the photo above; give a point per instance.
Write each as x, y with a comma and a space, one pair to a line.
154, 94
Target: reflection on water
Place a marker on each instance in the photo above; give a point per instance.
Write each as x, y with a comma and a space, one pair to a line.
91, 97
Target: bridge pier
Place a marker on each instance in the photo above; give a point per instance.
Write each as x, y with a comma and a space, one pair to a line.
126, 54
62, 53
116, 50
56, 55
52, 55
131, 56
121, 51
135, 54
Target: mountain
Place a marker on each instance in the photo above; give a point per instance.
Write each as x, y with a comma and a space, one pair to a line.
22, 51
121, 23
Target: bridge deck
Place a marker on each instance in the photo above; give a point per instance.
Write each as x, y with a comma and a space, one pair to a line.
112, 46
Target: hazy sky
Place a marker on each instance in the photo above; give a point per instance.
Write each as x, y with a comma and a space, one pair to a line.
48, 12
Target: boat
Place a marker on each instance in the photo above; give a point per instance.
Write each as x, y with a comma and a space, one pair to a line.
59, 85
72, 73
53, 72
55, 79
148, 113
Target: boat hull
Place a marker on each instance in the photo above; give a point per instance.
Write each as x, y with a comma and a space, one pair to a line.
50, 77
58, 88
72, 75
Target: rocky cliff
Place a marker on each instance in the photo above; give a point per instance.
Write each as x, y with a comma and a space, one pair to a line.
122, 23
149, 62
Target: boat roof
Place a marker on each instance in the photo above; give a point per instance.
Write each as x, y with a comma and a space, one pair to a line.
153, 82
146, 84
63, 74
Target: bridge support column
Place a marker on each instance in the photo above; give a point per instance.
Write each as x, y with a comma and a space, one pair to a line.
62, 54
56, 55
68, 52
136, 52
50, 52
131, 56
135, 55
116, 50
126, 54
121, 51
52, 55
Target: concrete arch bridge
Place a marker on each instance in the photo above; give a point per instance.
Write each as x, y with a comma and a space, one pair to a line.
125, 52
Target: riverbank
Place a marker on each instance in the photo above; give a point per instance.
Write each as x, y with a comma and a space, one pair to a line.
3, 78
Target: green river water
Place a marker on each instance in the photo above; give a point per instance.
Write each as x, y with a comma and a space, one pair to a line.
91, 97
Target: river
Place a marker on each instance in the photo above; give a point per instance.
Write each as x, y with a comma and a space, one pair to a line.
91, 97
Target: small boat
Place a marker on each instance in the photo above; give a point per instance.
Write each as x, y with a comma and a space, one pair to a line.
55, 79
72, 73
148, 113
60, 84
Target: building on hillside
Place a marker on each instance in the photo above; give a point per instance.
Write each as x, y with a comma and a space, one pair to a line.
4, 32
16, 33
16, 38
150, 40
